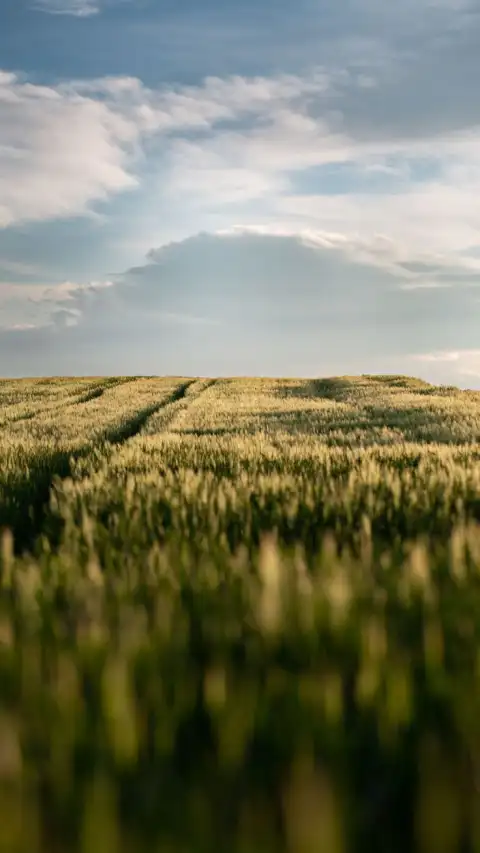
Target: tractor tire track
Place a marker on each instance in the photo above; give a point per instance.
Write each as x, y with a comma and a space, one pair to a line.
165, 418
133, 426
79, 397
25, 500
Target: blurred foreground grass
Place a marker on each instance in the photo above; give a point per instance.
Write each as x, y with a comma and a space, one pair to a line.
249, 621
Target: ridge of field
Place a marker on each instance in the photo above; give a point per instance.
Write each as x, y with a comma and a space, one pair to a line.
251, 623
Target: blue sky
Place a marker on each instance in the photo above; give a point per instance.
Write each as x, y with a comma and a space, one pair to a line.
228, 186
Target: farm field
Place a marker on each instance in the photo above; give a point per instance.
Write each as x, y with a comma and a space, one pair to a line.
239, 615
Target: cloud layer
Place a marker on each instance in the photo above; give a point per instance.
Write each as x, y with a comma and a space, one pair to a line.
337, 203
284, 152
251, 303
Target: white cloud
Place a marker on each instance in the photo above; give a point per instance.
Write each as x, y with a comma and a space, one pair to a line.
58, 152
63, 147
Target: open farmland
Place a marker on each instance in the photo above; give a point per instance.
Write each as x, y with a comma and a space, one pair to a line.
239, 615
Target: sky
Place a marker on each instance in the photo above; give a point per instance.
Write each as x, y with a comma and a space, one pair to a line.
230, 187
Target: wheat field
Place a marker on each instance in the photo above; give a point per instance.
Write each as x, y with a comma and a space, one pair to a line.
239, 615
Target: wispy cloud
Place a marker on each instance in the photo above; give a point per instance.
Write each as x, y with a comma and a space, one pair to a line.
17, 268
76, 8
66, 291
458, 366
449, 355
19, 327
